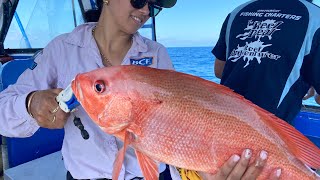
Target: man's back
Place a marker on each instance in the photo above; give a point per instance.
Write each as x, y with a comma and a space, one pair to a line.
270, 51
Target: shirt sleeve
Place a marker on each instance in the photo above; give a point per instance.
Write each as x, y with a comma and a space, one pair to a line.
313, 63
15, 120
164, 61
219, 51
175, 175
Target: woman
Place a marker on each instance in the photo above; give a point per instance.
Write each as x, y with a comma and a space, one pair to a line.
113, 40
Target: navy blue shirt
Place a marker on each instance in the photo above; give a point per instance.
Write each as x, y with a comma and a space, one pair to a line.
272, 53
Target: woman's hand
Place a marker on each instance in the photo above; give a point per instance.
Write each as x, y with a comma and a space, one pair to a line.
45, 109
237, 168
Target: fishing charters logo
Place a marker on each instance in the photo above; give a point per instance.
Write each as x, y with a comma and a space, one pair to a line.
258, 31
147, 61
255, 49
250, 51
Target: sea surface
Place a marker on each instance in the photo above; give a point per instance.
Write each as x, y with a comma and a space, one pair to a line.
199, 61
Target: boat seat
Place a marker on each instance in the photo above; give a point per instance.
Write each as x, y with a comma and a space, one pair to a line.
49, 167
308, 123
44, 141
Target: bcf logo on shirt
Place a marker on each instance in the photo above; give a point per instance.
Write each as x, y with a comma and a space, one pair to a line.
147, 61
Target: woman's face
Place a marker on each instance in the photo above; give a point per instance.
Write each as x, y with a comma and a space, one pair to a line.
127, 18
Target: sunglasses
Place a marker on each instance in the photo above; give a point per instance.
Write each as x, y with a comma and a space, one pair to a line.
153, 8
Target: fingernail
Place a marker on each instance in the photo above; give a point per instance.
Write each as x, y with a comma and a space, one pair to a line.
235, 158
278, 172
263, 155
247, 153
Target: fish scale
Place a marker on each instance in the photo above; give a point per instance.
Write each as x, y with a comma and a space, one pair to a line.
188, 122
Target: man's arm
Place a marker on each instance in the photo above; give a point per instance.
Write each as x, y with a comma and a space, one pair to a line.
312, 93
312, 64
218, 67
317, 98
219, 51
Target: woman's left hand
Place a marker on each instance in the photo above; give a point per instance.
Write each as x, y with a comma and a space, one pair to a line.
241, 169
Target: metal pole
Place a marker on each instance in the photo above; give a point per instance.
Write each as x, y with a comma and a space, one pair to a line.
25, 37
154, 35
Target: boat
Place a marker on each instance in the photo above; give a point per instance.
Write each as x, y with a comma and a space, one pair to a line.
25, 28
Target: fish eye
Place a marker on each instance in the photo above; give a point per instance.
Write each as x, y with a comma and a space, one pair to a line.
99, 86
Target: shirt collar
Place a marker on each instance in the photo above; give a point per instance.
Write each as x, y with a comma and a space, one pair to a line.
139, 44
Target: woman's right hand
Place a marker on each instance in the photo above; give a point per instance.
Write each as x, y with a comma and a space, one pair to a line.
237, 168
45, 109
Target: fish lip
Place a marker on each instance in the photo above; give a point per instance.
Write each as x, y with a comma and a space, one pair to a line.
79, 91
76, 88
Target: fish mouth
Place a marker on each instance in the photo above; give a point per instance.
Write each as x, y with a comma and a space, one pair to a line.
80, 90
76, 88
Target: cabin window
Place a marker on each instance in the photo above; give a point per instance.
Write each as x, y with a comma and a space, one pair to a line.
37, 22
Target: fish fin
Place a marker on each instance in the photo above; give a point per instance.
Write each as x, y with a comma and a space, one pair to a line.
298, 144
120, 157
134, 129
148, 166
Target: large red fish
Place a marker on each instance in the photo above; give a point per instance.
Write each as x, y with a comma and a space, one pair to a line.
188, 122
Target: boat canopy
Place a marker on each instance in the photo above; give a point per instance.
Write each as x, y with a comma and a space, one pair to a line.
30, 25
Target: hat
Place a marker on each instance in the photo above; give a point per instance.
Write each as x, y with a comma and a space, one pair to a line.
167, 3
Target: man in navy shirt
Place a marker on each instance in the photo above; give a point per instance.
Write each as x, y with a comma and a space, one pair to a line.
269, 52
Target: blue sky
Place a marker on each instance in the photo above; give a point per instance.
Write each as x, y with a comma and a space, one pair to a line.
188, 23
194, 22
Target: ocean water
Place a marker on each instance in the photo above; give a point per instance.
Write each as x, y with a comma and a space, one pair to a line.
199, 61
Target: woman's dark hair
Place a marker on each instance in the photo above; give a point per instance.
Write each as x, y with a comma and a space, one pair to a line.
93, 15
99, 4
